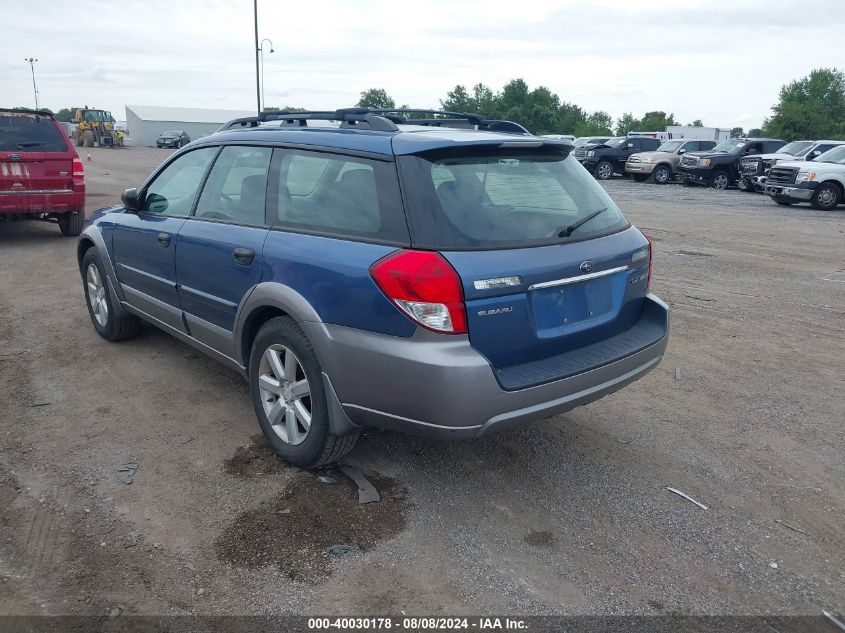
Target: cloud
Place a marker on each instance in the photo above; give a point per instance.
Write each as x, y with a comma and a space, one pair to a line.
719, 61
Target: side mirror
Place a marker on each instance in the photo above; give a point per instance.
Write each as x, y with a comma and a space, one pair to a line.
131, 200
630, 146
682, 151
812, 155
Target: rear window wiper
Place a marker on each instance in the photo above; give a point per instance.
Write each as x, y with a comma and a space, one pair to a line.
569, 230
33, 144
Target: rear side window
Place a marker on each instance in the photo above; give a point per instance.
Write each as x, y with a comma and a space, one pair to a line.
22, 132
502, 201
237, 185
337, 195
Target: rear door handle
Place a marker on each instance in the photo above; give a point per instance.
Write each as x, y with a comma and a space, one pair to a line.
244, 255
164, 239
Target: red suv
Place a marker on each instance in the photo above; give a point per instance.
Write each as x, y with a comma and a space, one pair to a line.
41, 176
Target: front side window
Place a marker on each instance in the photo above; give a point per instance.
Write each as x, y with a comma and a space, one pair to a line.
236, 188
503, 201
175, 188
340, 195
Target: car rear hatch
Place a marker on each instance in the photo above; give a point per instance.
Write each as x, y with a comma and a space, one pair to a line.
34, 155
543, 300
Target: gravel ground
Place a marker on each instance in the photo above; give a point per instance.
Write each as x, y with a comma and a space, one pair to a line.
570, 515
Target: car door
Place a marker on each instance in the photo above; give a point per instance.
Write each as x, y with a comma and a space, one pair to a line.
219, 248
144, 242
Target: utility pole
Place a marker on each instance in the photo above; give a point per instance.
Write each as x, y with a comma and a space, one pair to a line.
257, 51
31, 61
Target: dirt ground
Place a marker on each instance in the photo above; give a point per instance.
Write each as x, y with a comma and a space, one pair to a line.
746, 414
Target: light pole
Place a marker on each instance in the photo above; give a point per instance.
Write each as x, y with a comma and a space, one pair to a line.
257, 50
261, 48
32, 61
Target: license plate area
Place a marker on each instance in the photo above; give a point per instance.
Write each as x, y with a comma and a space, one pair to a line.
564, 306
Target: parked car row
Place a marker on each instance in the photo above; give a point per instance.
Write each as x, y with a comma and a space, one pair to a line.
801, 171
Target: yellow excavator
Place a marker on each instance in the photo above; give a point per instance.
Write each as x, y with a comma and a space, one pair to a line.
95, 127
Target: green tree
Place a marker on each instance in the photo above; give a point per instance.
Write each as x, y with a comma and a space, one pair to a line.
597, 124
737, 132
569, 116
486, 102
459, 100
628, 123
756, 132
376, 98
65, 115
697, 123
656, 121
810, 107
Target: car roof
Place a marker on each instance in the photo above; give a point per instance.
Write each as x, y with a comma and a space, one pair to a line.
775, 140
27, 111
408, 139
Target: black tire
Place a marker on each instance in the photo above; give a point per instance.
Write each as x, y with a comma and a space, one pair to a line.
70, 223
319, 446
603, 171
827, 197
721, 180
662, 174
115, 328
639, 177
88, 138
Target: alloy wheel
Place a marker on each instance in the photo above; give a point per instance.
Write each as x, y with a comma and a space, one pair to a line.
662, 176
285, 394
605, 171
720, 182
97, 295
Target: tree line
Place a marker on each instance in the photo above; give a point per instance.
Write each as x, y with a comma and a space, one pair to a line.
812, 107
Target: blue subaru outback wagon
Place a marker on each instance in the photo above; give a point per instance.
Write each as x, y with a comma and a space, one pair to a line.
450, 276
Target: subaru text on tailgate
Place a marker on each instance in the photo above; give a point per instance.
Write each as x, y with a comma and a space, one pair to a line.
40, 173
436, 276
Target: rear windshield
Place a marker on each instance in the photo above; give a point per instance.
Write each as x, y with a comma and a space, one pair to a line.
29, 133
503, 201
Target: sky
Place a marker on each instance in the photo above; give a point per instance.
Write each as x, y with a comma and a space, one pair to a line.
720, 61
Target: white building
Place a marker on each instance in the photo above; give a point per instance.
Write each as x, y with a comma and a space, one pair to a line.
145, 123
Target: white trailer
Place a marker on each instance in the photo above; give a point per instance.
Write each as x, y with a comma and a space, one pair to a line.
689, 132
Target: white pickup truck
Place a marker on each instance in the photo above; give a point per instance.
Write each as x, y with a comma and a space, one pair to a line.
820, 182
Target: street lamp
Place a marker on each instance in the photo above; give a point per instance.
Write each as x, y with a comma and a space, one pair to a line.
257, 50
32, 61
261, 48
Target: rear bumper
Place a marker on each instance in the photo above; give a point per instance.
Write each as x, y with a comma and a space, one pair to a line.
36, 202
800, 193
440, 386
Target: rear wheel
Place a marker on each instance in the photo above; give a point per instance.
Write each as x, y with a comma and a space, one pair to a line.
70, 224
826, 197
88, 138
105, 320
603, 171
720, 180
662, 174
289, 398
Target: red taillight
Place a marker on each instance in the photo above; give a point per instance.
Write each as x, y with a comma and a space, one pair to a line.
78, 170
425, 287
650, 260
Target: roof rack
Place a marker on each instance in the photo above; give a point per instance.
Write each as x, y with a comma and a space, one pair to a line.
384, 120
349, 117
443, 118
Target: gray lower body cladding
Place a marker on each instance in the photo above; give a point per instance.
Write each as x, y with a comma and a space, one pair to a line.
437, 385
